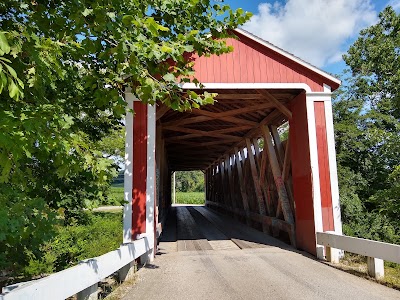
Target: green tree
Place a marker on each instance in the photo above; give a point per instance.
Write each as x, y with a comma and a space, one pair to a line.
190, 181
367, 128
63, 68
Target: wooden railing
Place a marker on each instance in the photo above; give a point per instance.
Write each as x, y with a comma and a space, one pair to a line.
376, 252
81, 280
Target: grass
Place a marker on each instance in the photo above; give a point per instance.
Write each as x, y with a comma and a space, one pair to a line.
357, 265
116, 195
190, 198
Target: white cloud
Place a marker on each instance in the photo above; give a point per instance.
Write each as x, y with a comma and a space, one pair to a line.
315, 30
395, 4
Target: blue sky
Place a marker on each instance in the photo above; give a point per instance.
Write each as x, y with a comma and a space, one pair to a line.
318, 31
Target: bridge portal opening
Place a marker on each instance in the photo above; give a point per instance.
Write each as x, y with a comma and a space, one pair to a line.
188, 187
237, 146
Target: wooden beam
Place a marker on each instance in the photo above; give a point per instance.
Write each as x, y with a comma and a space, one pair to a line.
245, 200
203, 118
258, 154
264, 188
200, 132
278, 144
161, 111
239, 96
256, 129
257, 188
281, 107
283, 197
224, 137
230, 180
201, 144
286, 162
233, 112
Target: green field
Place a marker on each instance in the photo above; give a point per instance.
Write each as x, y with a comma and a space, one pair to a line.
190, 198
116, 195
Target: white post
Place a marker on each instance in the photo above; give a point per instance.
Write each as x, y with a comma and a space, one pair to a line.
312, 136
174, 187
127, 272
127, 230
330, 134
376, 267
89, 293
151, 181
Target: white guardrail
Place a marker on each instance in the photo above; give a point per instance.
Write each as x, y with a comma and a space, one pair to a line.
81, 279
376, 252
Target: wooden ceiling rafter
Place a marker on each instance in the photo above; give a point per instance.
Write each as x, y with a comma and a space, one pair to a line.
286, 111
199, 138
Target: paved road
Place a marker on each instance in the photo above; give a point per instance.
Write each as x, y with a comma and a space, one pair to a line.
207, 256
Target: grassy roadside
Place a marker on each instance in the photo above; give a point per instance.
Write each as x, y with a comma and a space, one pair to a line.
190, 198
357, 265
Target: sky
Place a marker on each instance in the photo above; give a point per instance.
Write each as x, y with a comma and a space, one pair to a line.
318, 31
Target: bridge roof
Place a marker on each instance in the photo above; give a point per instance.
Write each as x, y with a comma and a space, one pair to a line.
255, 84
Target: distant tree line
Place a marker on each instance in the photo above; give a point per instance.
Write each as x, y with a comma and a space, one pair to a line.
189, 181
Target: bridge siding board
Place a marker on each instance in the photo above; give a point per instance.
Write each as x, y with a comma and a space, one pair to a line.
140, 167
323, 162
253, 63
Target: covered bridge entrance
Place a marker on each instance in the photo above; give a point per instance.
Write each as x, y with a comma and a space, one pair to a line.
266, 147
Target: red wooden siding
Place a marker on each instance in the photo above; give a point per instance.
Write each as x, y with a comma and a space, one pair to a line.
323, 162
251, 62
302, 177
139, 169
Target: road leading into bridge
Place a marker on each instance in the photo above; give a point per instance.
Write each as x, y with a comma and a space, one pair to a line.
204, 255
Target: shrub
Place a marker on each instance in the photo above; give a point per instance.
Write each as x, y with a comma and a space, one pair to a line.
76, 242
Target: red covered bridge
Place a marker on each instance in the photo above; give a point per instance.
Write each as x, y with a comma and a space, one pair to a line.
286, 188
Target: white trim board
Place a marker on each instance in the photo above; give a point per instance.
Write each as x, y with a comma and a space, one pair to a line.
249, 85
128, 173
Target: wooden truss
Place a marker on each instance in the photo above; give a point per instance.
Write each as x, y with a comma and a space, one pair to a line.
236, 143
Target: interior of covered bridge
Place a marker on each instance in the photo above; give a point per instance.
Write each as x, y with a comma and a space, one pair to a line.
238, 143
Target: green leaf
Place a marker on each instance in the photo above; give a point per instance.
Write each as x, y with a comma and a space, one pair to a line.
87, 12
166, 49
127, 19
12, 71
13, 90
4, 46
169, 77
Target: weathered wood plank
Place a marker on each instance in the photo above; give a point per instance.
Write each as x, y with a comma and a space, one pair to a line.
256, 182
230, 180
220, 136
245, 200
283, 197
270, 221
232, 112
286, 162
200, 132
224, 191
161, 111
278, 144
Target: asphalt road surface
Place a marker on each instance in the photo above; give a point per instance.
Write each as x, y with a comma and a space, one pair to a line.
204, 255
